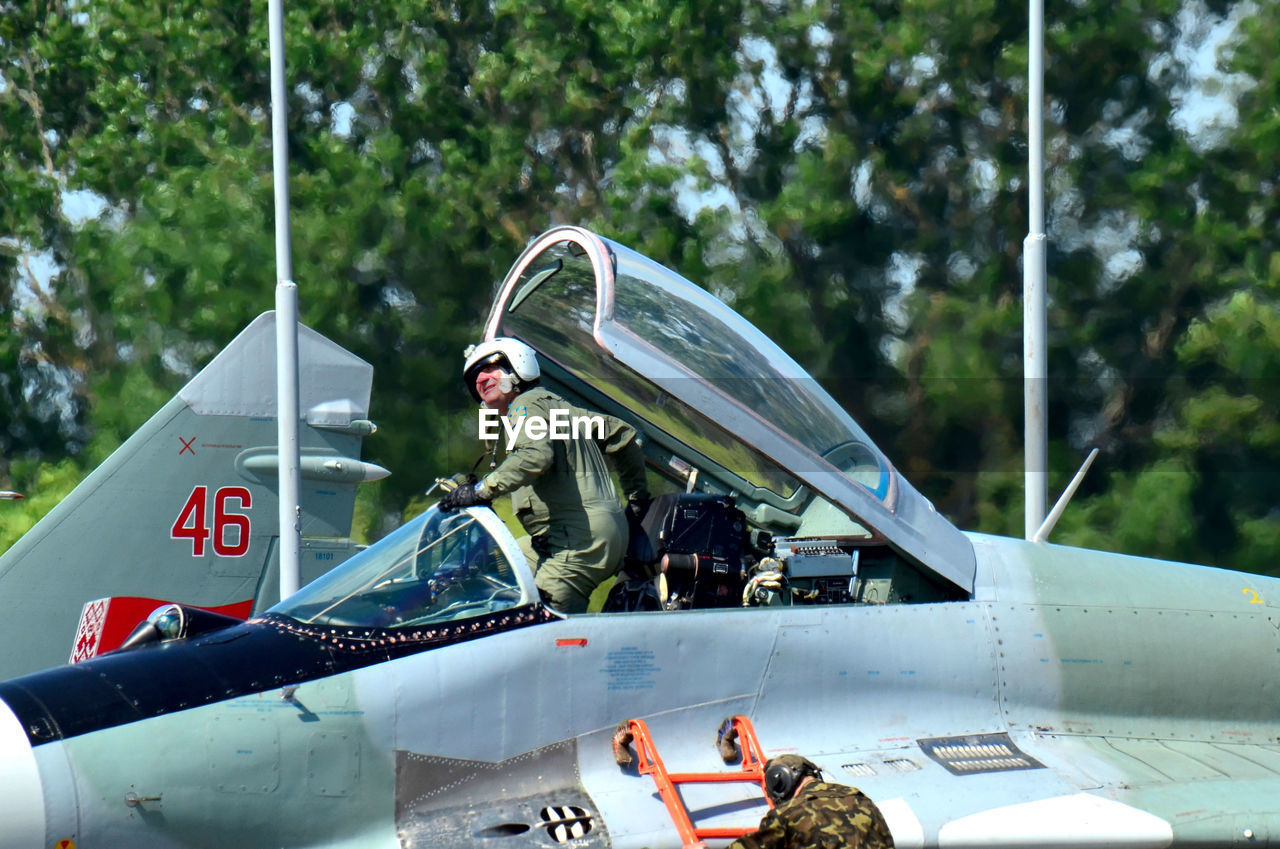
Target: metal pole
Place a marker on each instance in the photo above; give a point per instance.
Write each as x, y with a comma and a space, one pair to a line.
287, 415
1035, 354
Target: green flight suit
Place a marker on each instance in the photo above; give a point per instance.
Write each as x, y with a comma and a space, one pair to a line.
563, 495
821, 816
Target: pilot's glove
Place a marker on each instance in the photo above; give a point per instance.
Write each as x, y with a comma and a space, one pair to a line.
466, 495
453, 482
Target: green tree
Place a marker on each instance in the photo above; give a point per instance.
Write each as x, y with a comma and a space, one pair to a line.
851, 178
42, 402
1206, 439
427, 142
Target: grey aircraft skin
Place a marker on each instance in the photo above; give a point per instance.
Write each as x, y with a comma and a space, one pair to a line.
984, 691
186, 509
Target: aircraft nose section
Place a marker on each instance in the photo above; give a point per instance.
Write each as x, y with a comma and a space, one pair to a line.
21, 797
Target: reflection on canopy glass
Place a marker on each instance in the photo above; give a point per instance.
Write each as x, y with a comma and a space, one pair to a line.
720, 349
553, 309
554, 304
439, 567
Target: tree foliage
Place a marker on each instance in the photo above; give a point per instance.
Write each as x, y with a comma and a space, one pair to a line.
851, 177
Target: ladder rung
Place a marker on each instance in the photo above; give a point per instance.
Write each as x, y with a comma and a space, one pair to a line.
703, 833
711, 777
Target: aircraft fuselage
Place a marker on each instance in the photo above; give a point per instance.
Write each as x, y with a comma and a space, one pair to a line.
1114, 675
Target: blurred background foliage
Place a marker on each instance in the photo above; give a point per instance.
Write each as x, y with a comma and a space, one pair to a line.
850, 176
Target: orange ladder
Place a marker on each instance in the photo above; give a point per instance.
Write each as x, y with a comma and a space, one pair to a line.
648, 761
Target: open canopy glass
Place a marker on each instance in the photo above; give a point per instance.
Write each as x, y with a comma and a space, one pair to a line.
617, 329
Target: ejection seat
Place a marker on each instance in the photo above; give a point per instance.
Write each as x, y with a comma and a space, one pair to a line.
687, 552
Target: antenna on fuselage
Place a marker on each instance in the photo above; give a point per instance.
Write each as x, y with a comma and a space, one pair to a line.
1035, 355
287, 413
1056, 513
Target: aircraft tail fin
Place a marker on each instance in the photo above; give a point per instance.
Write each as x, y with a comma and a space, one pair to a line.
187, 508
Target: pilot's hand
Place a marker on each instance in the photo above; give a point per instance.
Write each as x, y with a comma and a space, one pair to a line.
451, 483
466, 495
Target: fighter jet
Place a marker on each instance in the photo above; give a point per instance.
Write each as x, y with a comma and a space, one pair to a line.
186, 509
983, 691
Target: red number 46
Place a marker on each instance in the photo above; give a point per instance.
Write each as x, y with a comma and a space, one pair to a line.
191, 523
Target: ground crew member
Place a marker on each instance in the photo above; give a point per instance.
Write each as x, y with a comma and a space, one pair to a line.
810, 813
560, 488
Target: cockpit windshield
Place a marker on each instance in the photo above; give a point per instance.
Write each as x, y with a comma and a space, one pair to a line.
439, 567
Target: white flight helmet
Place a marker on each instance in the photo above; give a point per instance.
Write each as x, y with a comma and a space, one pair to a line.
516, 358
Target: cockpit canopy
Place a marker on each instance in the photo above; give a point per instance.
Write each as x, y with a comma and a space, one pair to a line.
715, 397
438, 567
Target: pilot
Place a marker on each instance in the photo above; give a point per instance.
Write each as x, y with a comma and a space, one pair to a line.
810, 813
561, 490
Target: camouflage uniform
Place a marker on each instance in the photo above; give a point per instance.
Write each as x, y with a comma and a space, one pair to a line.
563, 495
821, 816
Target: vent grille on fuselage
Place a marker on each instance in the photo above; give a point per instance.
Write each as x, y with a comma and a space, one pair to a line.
566, 822
974, 754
